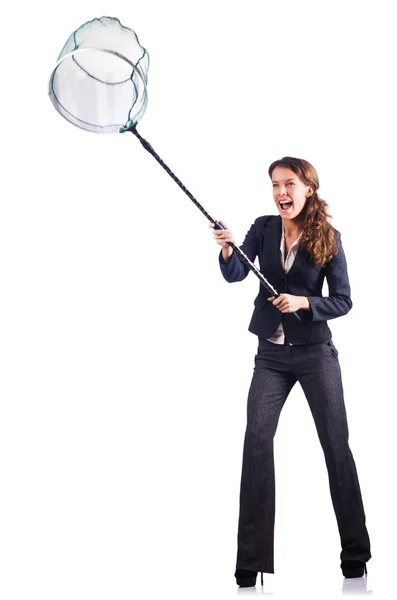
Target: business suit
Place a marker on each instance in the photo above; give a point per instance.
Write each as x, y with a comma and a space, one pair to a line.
309, 357
304, 279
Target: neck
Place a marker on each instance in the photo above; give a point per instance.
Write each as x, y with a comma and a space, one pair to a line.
291, 228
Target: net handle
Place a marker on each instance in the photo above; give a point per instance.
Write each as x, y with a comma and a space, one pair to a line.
217, 225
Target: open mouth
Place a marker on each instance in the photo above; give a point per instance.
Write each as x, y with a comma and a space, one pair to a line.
285, 205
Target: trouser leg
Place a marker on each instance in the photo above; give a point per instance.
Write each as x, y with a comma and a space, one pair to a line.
268, 392
320, 378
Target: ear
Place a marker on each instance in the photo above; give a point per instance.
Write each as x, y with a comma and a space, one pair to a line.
309, 191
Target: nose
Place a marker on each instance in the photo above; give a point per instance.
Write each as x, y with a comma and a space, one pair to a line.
282, 191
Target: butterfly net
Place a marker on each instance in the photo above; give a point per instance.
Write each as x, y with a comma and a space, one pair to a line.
99, 81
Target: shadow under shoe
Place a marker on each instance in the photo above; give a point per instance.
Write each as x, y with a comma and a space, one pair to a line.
353, 568
246, 578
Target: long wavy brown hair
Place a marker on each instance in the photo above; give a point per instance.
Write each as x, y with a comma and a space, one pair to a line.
318, 237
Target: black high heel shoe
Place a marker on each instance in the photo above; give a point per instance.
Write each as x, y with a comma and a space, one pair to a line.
246, 578
353, 568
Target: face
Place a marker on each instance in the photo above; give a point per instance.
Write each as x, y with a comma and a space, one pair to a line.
289, 192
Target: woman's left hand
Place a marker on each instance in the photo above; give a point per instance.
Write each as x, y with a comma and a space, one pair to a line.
287, 303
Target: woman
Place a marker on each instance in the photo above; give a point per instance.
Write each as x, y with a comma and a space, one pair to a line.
297, 249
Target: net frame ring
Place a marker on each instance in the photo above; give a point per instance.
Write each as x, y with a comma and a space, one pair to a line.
111, 128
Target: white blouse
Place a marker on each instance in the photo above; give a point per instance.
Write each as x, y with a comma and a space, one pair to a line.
286, 262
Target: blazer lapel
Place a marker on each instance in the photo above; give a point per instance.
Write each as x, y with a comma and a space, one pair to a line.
300, 259
272, 240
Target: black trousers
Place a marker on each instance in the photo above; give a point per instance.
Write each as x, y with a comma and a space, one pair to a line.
277, 368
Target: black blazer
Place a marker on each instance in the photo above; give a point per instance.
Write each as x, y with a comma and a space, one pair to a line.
303, 279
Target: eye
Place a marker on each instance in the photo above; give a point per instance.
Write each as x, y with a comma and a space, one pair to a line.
291, 183
274, 184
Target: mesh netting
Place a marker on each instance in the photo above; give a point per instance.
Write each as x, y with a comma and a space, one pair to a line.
99, 81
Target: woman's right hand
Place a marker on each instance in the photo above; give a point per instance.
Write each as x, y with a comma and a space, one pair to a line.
223, 237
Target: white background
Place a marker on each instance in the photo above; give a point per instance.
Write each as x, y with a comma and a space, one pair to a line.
125, 356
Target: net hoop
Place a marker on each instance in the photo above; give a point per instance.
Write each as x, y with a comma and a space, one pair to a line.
71, 118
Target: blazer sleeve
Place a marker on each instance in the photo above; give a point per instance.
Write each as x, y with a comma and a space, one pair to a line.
234, 269
338, 302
